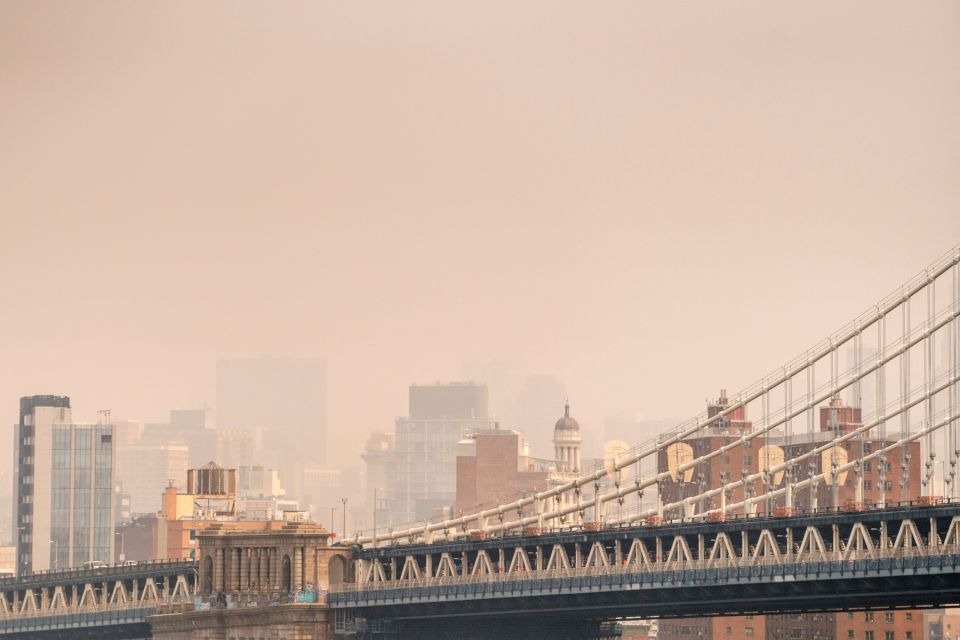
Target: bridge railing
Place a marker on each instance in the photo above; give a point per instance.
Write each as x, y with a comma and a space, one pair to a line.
71, 574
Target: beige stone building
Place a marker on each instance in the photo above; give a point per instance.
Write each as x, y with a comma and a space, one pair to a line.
267, 584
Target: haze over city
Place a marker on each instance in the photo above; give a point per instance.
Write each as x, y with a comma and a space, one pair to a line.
322, 303
415, 192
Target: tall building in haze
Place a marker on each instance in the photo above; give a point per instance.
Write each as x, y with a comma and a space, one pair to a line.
286, 398
63, 487
147, 467
424, 470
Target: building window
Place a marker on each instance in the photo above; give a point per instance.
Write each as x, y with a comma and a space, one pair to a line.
867, 485
888, 618
728, 631
888, 486
888, 635
868, 635
796, 634
909, 615
868, 467
850, 633
909, 635
868, 616
748, 631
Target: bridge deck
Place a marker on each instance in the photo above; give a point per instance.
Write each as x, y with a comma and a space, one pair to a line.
906, 556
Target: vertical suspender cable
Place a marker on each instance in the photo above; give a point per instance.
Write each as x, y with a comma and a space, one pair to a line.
904, 399
881, 406
954, 395
928, 374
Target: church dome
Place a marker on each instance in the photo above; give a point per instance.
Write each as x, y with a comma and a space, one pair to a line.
566, 423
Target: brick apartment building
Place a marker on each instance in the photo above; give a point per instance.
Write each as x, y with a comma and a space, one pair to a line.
495, 464
492, 465
897, 478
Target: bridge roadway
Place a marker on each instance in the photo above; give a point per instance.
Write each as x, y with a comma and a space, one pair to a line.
906, 556
110, 602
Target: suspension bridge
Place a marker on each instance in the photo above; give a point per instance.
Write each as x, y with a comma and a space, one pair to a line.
898, 365
839, 493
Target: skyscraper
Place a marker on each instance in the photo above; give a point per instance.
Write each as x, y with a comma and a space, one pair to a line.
424, 471
63, 487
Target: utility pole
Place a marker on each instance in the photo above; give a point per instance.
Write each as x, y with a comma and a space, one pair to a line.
344, 502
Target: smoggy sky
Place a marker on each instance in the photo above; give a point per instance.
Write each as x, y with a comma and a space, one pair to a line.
647, 200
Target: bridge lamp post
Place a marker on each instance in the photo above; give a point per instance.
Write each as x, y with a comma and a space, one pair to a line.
343, 501
56, 554
122, 555
375, 489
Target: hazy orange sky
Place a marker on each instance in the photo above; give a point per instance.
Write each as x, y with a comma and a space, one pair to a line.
647, 200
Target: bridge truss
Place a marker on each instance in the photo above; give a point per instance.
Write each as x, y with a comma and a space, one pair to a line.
112, 601
895, 557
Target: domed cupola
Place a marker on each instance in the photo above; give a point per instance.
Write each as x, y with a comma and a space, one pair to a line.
566, 423
566, 442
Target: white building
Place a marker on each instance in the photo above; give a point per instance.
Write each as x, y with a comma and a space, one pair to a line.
259, 481
63, 487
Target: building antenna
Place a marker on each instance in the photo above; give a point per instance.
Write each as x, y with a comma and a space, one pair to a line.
103, 416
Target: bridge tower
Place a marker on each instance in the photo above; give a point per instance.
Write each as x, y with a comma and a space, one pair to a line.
245, 576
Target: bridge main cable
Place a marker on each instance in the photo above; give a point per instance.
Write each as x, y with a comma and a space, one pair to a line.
804, 363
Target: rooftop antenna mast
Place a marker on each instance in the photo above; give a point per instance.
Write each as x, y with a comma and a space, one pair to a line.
103, 416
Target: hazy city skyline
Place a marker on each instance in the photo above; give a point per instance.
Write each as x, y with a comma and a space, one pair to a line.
409, 191
480, 320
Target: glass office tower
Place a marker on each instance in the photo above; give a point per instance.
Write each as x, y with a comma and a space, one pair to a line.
64, 484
